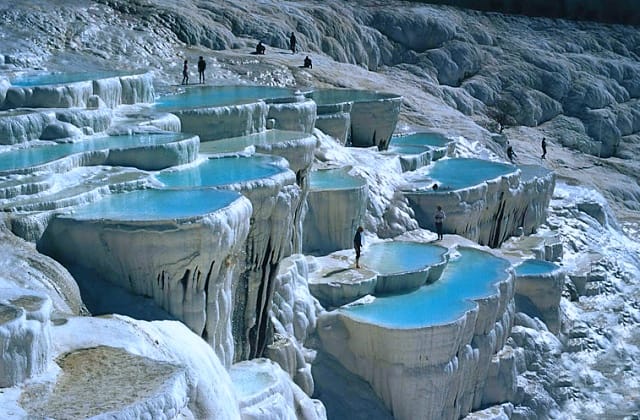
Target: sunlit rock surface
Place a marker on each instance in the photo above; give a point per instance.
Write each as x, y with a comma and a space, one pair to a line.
25, 342
264, 392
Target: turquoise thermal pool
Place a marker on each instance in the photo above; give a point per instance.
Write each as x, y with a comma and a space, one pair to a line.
334, 179
458, 173
401, 256
150, 205
214, 96
535, 268
420, 139
236, 144
38, 155
471, 276
407, 149
224, 171
43, 79
336, 96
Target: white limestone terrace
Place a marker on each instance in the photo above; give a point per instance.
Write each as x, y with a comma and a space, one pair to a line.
23, 125
296, 147
184, 257
484, 201
369, 117
420, 148
264, 393
70, 90
539, 286
333, 195
218, 112
388, 267
427, 351
146, 151
276, 217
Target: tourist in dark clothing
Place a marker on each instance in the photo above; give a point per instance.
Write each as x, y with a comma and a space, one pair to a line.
260, 49
544, 147
292, 43
307, 63
510, 153
357, 244
185, 73
202, 65
438, 218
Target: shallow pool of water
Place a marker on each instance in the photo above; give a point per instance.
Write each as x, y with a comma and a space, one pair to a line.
42, 79
38, 155
535, 267
148, 205
212, 96
420, 139
461, 173
408, 149
224, 171
401, 256
471, 276
334, 179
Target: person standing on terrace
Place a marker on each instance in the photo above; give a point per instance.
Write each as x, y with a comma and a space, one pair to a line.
544, 148
202, 65
438, 218
292, 43
357, 244
185, 73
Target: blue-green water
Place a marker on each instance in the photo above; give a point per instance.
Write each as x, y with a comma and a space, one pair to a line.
147, 205
38, 155
212, 96
334, 179
535, 267
471, 276
235, 144
407, 149
63, 78
461, 173
420, 139
401, 256
336, 96
223, 171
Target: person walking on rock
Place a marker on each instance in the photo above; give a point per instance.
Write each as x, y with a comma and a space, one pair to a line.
202, 65
292, 43
544, 147
185, 73
438, 218
510, 153
357, 244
